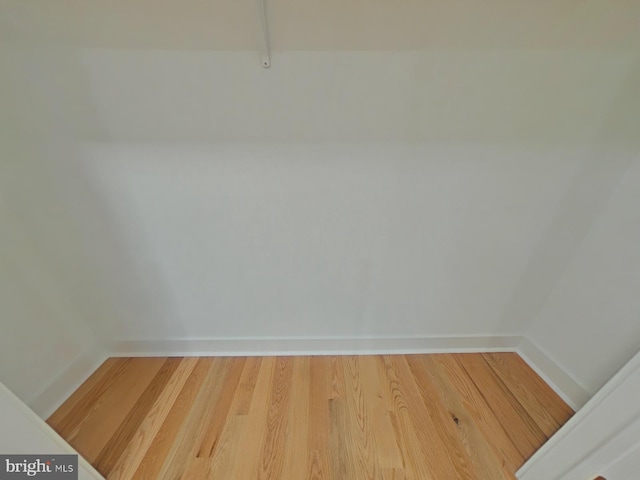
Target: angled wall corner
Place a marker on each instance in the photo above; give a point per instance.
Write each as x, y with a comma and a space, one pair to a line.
23, 432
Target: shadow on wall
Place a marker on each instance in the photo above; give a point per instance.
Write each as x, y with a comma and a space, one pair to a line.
64, 231
613, 151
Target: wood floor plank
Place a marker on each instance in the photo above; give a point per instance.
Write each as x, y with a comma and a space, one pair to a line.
115, 447
474, 402
156, 455
391, 474
79, 410
439, 460
297, 436
139, 445
232, 442
359, 420
195, 467
72, 405
388, 417
546, 408
218, 397
482, 457
100, 425
320, 392
342, 458
231, 448
257, 417
414, 452
387, 379
387, 454
193, 431
222, 399
452, 459
516, 421
337, 377
246, 386
271, 458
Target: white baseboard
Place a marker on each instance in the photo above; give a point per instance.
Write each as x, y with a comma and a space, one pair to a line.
561, 382
246, 346
49, 398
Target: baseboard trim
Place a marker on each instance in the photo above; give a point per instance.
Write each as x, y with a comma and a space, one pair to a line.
49, 398
561, 382
552, 373
311, 346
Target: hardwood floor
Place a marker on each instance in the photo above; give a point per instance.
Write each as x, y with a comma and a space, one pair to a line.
387, 417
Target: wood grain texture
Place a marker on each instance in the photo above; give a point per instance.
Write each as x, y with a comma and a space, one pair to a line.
475, 403
512, 415
107, 415
318, 463
531, 391
136, 449
158, 451
115, 447
445, 458
460, 422
391, 417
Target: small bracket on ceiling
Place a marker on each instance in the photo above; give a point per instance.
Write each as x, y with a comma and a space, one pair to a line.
265, 50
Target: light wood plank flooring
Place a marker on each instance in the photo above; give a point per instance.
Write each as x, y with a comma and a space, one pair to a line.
387, 417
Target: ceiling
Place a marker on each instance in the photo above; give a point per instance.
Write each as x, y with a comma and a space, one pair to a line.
336, 25
532, 73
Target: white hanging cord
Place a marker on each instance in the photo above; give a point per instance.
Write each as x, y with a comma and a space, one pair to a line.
265, 52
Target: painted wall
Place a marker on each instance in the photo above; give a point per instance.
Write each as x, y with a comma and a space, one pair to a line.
44, 328
319, 240
524, 99
590, 323
583, 304
353, 193
22, 432
426, 180
42, 332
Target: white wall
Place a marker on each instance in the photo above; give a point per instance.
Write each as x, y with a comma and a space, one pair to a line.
318, 240
352, 193
590, 323
587, 315
42, 332
22, 432
440, 180
45, 336
528, 99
